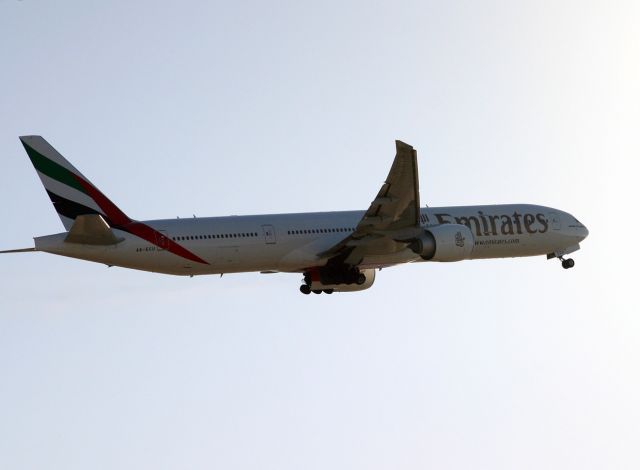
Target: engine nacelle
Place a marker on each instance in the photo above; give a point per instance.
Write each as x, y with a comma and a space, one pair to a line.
369, 274
446, 242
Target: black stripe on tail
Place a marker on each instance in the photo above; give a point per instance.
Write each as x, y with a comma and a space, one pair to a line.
69, 209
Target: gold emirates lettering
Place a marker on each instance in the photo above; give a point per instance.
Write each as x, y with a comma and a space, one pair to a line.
486, 225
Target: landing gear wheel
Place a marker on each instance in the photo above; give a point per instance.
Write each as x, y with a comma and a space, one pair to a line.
328, 291
568, 263
361, 279
305, 289
317, 291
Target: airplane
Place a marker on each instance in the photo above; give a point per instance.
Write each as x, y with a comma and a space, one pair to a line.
334, 251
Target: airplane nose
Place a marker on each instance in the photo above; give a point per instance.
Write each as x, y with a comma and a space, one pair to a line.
586, 233
583, 232
575, 228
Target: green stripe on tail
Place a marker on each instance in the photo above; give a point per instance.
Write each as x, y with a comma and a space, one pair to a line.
52, 169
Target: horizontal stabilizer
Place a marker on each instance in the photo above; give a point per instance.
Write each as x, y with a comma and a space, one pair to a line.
91, 229
19, 250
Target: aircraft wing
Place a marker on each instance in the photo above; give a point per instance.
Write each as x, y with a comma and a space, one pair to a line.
392, 218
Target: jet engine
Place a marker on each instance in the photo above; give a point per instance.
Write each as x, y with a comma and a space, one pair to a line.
446, 242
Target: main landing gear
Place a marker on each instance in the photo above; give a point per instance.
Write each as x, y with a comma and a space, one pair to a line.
306, 290
567, 263
331, 276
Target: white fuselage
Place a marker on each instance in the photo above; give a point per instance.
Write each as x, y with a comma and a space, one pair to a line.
290, 242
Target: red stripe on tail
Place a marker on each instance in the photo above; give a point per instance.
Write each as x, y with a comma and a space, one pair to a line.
118, 219
115, 215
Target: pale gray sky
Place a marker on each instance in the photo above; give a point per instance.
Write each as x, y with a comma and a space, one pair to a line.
176, 108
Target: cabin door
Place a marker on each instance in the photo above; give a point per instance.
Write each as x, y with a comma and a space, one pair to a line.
269, 234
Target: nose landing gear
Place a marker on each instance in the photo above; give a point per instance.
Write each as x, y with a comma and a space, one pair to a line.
567, 263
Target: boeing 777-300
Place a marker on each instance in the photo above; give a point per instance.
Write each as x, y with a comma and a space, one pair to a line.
333, 251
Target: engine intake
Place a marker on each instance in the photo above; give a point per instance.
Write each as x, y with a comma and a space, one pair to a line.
446, 242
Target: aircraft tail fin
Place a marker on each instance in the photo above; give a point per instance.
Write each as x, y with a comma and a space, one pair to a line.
71, 193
